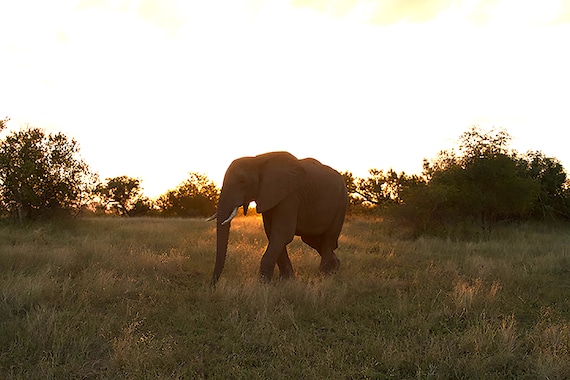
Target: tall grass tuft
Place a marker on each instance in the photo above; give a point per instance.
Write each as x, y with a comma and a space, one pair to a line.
130, 298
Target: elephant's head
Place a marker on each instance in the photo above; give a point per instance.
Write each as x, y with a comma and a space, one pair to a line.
265, 179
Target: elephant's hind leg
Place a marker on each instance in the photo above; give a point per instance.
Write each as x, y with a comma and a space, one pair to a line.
329, 261
329, 241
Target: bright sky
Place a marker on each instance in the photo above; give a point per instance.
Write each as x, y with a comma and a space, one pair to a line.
156, 89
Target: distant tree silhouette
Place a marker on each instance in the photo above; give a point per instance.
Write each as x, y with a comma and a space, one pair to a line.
123, 195
379, 191
3, 123
195, 197
355, 200
553, 197
481, 181
42, 175
484, 181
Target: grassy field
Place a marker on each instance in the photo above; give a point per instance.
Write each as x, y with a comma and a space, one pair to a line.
130, 299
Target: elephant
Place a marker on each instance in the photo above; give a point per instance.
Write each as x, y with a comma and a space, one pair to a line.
295, 198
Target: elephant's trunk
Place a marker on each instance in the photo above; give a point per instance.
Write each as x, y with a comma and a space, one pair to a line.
226, 212
223, 233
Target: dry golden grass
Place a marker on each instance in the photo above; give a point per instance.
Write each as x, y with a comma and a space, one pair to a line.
130, 298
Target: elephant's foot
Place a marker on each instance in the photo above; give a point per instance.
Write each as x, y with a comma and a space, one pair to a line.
266, 272
265, 276
286, 274
329, 264
285, 268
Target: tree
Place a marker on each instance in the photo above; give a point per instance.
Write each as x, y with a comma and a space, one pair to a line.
3, 123
481, 181
351, 183
380, 191
476, 144
548, 172
197, 196
418, 205
123, 195
383, 188
42, 175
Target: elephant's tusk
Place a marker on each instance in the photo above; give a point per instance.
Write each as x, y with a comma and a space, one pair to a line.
232, 215
215, 216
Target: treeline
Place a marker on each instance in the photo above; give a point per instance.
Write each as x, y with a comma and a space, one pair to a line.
43, 176
197, 196
481, 182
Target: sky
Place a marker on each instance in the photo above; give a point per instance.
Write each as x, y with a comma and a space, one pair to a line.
156, 89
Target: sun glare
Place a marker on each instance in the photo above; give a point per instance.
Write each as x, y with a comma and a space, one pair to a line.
161, 84
538, 13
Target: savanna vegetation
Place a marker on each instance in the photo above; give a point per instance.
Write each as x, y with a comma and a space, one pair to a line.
462, 271
129, 298
478, 184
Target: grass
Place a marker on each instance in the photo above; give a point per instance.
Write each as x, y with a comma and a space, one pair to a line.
130, 298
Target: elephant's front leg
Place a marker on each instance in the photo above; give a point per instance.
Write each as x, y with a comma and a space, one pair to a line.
279, 223
276, 253
284, 264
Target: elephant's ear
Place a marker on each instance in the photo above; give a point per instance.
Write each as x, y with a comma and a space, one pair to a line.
280, 175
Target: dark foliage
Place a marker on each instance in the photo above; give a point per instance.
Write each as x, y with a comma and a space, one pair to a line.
195, 197
3, 123
42, 175
481, 183
123, 196
553, 199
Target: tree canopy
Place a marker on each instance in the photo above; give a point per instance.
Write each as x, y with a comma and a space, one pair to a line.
123, 195
196, 196
42, 175
482, 181
3, 123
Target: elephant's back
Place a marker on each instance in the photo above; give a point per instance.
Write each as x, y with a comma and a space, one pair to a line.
322, 177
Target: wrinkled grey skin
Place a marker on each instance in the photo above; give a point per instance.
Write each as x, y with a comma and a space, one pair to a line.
295, 197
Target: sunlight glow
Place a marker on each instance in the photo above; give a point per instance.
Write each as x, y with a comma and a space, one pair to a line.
172, 87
